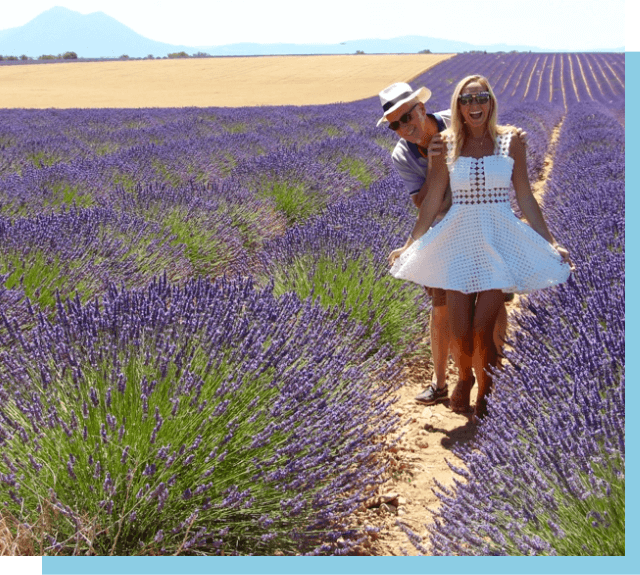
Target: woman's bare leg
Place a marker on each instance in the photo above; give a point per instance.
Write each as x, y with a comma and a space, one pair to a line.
485, 354
461, 311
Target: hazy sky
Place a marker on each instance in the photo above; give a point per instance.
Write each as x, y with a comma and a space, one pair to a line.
575, 25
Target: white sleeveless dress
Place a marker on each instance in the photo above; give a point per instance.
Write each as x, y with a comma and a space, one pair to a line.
481, 244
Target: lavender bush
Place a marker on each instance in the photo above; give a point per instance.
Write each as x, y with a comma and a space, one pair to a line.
81, 250
339, 259
213, 418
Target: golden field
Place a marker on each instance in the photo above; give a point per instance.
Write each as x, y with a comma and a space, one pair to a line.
229, 81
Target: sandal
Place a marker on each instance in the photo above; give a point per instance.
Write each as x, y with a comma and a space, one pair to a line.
432, 395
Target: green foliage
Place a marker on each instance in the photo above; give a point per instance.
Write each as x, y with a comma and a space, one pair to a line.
358, 169
594, 525
293, 199
208, 253
147, 423
359, 286
178, 55
42, 159
69, 56
591, 524
39, 275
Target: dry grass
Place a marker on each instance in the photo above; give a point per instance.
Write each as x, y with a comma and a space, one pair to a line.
15, 538
249, 81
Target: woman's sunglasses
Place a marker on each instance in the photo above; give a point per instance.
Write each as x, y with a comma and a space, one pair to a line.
404, 119
480, 98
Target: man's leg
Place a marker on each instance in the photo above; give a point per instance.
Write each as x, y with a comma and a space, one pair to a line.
500, 330
439, 335
439, 330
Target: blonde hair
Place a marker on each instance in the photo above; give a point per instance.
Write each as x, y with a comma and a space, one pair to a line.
457, 133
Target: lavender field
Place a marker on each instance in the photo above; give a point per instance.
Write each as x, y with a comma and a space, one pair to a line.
200, 341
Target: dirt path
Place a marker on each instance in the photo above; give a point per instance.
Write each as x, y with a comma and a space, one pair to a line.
421, 455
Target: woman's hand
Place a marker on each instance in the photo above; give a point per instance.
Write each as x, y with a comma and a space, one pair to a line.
564, 254
395, 254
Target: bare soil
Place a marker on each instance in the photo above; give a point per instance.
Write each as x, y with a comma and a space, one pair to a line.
233, 82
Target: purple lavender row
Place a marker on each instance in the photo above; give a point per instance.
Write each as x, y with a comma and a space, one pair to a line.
546, 474
540, 78
217, 186
211, 418
84, 250
44, 137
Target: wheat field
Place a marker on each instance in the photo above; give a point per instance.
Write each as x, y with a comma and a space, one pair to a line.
242, 81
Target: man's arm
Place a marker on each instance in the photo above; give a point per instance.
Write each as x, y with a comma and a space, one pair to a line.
412, 174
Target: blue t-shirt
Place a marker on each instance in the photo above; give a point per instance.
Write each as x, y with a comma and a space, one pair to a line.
410, 163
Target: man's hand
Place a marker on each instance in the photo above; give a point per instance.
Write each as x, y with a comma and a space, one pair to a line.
522, 135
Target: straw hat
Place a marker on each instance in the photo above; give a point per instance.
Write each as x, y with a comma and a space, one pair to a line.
398, 94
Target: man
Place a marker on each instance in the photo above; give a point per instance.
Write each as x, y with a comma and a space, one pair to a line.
419, 131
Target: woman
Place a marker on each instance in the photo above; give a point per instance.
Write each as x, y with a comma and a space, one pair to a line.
480, 247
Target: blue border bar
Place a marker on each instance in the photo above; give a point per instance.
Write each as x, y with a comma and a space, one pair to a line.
632, 306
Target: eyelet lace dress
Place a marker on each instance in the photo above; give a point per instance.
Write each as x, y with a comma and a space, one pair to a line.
481, 244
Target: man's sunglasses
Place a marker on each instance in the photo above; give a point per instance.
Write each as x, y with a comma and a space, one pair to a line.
404, 119
480, 98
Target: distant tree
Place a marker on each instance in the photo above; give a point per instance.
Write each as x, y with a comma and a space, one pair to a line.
24, 57
1, 57
359, 51
201, 55
150, 57
69, 56
424, 52
124, 57
47, 57
178, 55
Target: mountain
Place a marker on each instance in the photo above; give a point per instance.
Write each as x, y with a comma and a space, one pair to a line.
97, 35
403, 45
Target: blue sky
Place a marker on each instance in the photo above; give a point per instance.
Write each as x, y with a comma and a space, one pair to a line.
575, 25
